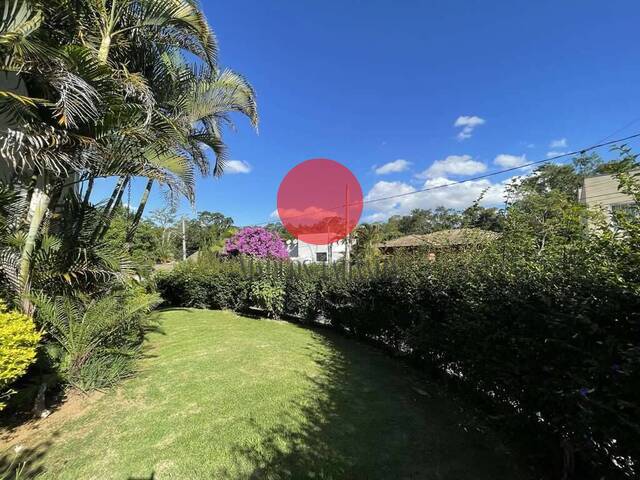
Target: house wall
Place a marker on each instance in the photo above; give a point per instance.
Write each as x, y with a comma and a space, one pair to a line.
302, 252
601, 192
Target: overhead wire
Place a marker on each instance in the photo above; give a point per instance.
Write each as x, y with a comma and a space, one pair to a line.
523, 166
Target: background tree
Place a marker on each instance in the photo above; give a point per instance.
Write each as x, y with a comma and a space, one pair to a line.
477, 216
166, 220
277, 227
367, 238
421, 221
208, 231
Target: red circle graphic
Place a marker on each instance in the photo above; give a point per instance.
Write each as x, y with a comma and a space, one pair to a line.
320, 201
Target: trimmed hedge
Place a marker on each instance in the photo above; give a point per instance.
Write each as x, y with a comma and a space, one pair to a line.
549, 341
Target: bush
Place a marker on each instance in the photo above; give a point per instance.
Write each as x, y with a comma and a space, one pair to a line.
267, 293
96, 340
18, 343
301, 293
547, 340
215, 284
256, 242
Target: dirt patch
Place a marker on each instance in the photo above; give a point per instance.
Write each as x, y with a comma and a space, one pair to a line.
74, 404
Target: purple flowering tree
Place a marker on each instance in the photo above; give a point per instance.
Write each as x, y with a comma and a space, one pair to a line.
256, 242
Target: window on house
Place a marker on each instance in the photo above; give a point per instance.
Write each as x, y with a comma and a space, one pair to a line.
628, 210
321, 257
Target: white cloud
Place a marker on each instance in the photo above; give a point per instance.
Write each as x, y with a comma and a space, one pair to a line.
554, 154
386, 189
559, 143
468, 124
458, 196
275, 214
236, 166
308, 214
393, 167
454, 165
510, 161
375, 217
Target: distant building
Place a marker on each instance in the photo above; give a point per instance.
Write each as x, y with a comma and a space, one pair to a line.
601, 192
444, 240
305, 253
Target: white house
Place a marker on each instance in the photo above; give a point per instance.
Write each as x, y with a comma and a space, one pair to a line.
303, 252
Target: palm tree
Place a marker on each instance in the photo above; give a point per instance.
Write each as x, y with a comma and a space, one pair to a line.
106, 95
368, 237
60, 98
204, 101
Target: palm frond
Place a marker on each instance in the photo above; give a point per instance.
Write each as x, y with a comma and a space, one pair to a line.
40, 147
180, 21
18, 22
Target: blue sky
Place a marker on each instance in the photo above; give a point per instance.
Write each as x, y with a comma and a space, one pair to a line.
369, 83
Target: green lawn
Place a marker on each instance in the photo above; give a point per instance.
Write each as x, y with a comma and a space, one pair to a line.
221, 396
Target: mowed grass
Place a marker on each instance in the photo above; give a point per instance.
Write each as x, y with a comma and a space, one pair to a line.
220, 396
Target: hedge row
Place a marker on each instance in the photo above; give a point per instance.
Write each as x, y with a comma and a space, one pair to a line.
551, 340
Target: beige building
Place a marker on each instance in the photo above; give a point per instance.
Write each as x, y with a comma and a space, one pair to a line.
601, 192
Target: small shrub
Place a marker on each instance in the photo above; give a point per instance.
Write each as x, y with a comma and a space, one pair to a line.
99, 338
18, 343
267, 292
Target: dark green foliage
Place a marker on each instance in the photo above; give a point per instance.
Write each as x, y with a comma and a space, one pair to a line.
214, 284
427, 221
301, 294
207, 232
93, 342
541, 327
544, 338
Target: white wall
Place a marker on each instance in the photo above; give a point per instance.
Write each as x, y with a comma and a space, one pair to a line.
302, 252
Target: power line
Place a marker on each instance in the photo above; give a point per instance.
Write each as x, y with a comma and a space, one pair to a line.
498, 172
621, 129
478, 177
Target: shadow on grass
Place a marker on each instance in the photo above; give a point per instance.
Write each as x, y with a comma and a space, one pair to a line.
18, 463
152, 476
367, 419
363, 416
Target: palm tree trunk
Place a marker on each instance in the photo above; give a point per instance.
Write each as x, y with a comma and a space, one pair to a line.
83, 208
105, 214
111, 212
131, 232
115, 195
37, 209
87, 195
105, 45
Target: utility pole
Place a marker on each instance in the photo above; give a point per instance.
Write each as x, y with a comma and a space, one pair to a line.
184, 241
329, 249
347, 238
